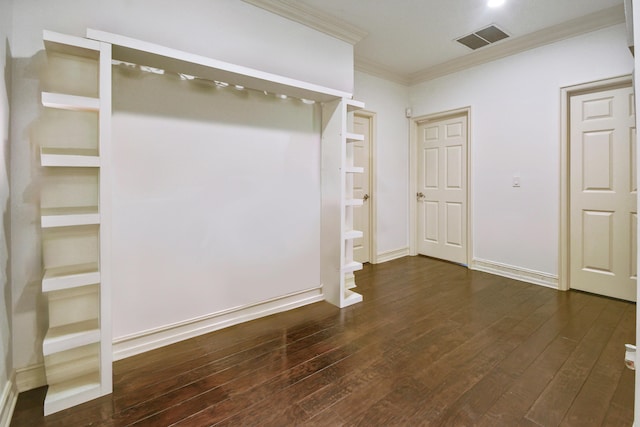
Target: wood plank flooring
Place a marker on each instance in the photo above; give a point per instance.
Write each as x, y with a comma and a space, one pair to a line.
432, 344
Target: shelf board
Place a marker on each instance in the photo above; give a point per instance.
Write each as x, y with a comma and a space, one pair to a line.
70, 45
66, 217
353, 137
63, 101
354, 202
69, 157
353, 105
68, 277
351, 267
353, 234
350, 298
73, 392
176, 61
75, 335
354, 169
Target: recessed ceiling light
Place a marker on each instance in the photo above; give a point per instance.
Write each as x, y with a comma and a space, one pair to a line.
495, 3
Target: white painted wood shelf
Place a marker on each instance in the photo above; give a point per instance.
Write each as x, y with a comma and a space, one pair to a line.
353, 234
67, 217
71, 336
354, 169
63, 101
73, 392
351, 267
69, 157
69, 277
354, 202
353, 137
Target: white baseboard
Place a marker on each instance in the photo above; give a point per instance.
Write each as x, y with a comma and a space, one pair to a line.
517, 273
131, 345
31, 377
391, 255
8, 401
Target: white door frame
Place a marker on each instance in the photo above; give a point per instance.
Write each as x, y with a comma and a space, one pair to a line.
565, 96
413, 177
372, 202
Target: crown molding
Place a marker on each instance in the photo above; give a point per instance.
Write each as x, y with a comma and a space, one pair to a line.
312, 17
592, 22
378, 70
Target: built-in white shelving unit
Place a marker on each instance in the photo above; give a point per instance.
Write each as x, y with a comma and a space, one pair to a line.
77, 346
337, 177
76, 224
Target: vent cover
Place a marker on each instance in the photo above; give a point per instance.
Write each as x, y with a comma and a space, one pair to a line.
483, 37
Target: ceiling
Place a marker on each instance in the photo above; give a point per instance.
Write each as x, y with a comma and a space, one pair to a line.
414, 40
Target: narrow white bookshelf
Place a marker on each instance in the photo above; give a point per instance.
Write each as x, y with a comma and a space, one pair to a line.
78, 295
338, 173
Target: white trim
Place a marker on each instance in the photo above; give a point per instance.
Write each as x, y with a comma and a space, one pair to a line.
313, 18
592, 22
8, 401
413, 176
376, 69
372, 204
513, 272
131, 50
391, 255
131, 345
565, 94
30, 377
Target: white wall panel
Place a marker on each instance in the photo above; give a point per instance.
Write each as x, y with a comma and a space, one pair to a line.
216, 200
6, 356
515, 130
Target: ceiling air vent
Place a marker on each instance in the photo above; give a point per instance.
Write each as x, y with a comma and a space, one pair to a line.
483, 37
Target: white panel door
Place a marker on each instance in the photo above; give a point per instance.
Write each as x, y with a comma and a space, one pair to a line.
603, 193
442, 189
361, 190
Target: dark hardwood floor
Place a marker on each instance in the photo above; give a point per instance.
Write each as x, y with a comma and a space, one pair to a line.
432, 344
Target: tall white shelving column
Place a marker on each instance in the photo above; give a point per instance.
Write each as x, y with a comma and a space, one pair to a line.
338, 202
77, 346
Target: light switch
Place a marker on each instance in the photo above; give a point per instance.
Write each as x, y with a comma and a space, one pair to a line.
516, 181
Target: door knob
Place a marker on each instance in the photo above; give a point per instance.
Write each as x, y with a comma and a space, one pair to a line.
420, 195
365, 197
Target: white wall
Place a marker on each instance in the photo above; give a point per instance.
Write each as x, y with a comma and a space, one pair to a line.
515, 130
389, 100
216, 200
6, 357
229, 30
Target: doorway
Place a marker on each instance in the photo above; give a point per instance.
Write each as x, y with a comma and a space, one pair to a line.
363, 186
440, 186
599, 199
